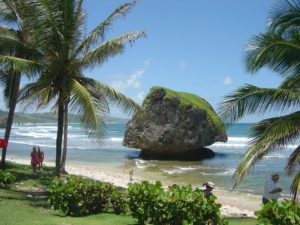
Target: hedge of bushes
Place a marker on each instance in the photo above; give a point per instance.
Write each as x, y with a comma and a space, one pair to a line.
282, 212
77, 196
148, 202
177, 205
7, 179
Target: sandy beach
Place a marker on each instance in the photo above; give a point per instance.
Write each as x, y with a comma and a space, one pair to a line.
233, 203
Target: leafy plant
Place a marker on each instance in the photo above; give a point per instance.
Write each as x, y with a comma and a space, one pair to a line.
6, 179
76, 196
118, 201
177, 205
284, 212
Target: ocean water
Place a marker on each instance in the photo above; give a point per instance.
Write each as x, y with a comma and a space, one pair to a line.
109, 151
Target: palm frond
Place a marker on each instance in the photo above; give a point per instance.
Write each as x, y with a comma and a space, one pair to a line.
82, 103
28, 67
113, 96
295, 186
250, 99
294, 161
40, 93
292, 83
268, 135
100, 30
285, 15
8, 12
108, 49
273, 51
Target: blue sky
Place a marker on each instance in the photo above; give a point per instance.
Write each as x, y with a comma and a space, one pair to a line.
195, 46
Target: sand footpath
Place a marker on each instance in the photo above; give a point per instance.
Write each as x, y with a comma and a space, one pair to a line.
233, 203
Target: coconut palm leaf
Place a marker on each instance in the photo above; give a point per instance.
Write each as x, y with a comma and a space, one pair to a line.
113, 96
275, 52
84, 103
284, 16
269, 135
294, 161
11, 44
250, 99
295, 186
40, 93
103, 52
29, 67
98, 34
9, 12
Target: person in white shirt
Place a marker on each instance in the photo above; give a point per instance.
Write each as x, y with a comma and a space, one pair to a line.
271, 191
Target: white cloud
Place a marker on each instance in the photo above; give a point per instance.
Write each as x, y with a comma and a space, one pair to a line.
132, 81
250, 47
140, 97
227, 81
182, 66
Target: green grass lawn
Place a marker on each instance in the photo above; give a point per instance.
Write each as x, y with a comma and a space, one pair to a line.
27, 204
19, 208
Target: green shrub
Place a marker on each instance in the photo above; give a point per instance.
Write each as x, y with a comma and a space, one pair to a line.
142, 199
178, 205
282, 212
118, 202
6, 179
78, 196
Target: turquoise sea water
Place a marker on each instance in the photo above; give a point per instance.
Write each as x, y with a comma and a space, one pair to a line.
85, 151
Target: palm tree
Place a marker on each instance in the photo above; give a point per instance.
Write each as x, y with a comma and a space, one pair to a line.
57, 28
279, 50
14, 44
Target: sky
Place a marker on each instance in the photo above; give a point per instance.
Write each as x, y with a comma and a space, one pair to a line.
195, 46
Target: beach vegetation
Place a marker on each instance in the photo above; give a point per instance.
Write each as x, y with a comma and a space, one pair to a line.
7, 179
150, 203
58, 30
119, 201
17, 58
279, 212
278, 50
190, 100
74, 196
28, 203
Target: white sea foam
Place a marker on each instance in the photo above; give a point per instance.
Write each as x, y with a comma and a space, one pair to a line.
140, 164
225, 172
37, 135
229, 145
116, 139
239, 139
276, 156
179, 170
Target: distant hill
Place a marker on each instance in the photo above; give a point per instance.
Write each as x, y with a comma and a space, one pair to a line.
48, 117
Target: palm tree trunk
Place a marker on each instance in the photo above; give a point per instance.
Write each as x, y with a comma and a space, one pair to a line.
13, 97
65, 144
59, 137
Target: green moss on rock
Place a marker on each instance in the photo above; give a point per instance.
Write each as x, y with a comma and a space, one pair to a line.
186, 100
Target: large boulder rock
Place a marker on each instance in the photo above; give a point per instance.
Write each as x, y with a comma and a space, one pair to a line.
174, 125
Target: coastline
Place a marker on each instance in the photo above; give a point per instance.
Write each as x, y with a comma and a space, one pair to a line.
234, 204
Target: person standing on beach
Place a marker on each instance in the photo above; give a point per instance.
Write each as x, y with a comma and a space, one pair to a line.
40, 158
271, 191
209, 186
34, 159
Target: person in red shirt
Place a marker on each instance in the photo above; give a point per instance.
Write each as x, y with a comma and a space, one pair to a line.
34, 159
